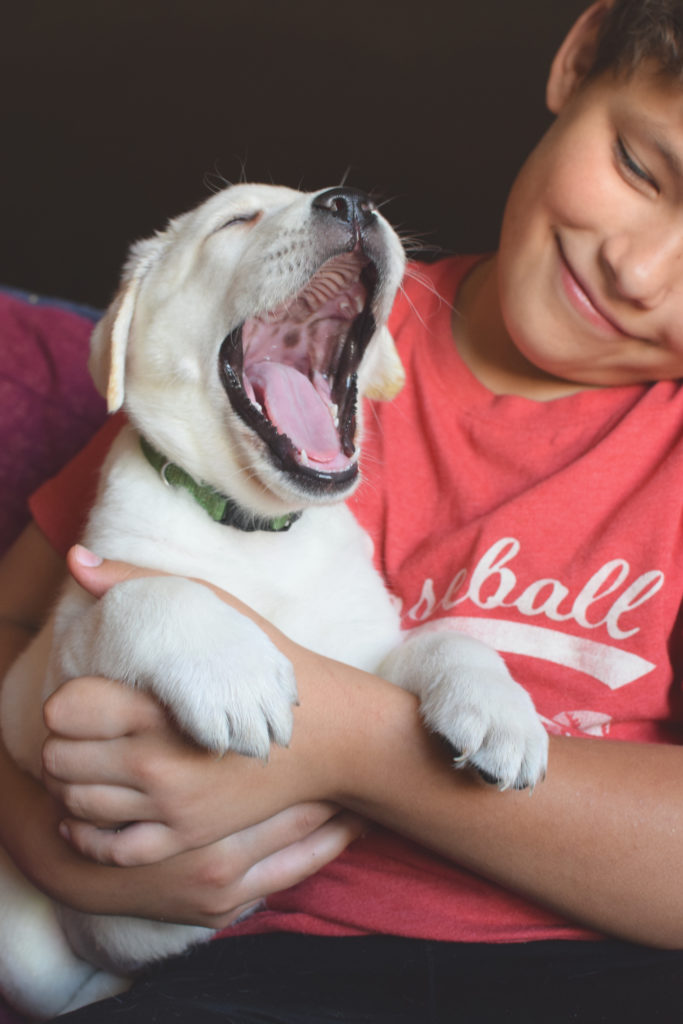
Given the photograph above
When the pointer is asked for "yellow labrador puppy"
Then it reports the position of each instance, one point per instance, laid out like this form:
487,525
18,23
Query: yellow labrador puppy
239,344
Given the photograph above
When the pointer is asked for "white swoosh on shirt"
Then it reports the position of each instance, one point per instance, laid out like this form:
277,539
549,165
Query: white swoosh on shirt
609,665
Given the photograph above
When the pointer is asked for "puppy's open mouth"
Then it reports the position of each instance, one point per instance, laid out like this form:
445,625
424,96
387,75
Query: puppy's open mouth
290,374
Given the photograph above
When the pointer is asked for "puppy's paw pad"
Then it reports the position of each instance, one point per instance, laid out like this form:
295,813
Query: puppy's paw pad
516,760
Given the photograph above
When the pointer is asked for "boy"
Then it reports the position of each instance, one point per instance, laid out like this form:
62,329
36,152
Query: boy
541,427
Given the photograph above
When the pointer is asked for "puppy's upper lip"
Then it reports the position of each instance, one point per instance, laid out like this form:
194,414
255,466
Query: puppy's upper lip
291,373
336,286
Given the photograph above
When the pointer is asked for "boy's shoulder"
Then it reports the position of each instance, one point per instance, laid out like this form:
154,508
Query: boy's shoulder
429,290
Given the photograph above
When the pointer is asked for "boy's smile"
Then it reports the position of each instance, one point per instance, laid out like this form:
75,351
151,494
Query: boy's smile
580,297
587,287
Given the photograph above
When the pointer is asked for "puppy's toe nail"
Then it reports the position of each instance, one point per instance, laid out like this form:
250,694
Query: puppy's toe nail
455,752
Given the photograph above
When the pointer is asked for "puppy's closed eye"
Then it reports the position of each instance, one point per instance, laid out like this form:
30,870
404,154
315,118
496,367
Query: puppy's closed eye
242,218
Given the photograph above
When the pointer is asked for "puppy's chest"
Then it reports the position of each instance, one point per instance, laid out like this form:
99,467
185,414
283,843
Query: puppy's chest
316,581
301,580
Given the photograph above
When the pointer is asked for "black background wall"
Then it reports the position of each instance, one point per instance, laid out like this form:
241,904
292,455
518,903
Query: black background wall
117,114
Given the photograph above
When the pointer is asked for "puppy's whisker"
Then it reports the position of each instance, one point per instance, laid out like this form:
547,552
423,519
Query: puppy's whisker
243,178
214,181
414,273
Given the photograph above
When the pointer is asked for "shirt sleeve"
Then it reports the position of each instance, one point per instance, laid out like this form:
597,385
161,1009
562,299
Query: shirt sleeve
60,507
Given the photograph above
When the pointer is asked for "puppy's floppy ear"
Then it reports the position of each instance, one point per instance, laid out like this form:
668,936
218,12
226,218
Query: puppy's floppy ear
109,340
381,374
108,347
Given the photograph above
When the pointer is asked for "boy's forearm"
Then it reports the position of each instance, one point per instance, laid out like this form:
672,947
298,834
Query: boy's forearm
13,639
600,841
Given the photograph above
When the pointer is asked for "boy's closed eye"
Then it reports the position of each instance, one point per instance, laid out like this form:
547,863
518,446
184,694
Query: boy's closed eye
631,168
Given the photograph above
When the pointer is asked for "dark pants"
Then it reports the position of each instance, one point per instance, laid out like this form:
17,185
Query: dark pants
298,979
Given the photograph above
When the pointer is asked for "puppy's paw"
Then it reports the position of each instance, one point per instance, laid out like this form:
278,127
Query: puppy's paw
225,683
468,696
505,742
239,695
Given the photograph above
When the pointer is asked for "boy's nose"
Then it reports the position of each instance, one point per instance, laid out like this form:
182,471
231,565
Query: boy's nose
641,267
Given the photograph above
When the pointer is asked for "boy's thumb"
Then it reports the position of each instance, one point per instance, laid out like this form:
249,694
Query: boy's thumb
97,575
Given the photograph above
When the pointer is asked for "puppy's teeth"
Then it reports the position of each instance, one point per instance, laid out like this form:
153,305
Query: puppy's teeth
359,304
304,458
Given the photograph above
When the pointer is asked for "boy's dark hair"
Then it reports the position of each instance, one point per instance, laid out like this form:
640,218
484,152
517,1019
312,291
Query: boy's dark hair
634,31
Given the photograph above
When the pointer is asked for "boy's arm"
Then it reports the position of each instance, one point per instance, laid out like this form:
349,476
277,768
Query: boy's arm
31,573
208,886
600,841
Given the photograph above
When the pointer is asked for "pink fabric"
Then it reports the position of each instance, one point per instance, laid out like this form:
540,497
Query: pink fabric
48,405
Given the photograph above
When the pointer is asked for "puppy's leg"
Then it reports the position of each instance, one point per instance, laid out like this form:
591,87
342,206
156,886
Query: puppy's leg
101,985
223,680
39,973
468,696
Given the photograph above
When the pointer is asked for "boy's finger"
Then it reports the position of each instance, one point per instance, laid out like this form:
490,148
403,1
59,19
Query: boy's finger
146,842
301,859
140,843
97,575
104,807
95,708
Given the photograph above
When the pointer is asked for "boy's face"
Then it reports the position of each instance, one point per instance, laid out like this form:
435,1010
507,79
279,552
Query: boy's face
590,265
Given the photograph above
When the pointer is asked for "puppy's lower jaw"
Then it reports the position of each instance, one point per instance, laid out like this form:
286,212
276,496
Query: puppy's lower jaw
290,374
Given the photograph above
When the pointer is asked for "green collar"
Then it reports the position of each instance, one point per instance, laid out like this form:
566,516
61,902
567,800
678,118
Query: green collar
221,509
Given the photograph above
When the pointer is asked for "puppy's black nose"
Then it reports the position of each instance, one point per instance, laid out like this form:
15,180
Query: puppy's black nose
346,204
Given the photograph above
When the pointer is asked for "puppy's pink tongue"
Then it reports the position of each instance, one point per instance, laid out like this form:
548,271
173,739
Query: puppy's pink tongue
296,409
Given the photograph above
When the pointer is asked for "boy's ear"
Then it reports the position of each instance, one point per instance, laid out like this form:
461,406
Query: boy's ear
575,56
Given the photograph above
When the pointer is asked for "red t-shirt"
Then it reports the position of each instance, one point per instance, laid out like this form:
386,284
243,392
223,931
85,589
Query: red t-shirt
552,530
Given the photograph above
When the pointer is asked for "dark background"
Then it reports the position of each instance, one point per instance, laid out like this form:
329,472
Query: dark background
116,115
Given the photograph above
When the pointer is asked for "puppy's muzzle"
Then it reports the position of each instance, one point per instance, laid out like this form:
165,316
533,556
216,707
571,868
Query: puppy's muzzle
291,373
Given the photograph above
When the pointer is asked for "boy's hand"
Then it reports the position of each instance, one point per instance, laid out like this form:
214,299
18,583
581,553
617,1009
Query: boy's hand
137,791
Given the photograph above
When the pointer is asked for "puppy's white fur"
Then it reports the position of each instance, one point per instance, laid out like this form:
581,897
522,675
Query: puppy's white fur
242,253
